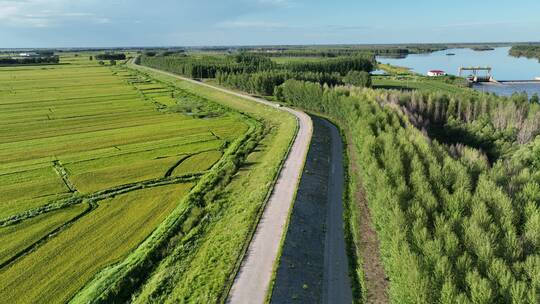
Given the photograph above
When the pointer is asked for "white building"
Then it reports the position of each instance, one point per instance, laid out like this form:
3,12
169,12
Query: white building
28,54
436,73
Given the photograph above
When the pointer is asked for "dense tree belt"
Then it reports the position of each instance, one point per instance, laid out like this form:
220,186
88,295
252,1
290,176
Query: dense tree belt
208,66
453,227
341,65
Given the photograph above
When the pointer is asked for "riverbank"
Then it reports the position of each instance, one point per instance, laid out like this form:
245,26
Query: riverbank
508,88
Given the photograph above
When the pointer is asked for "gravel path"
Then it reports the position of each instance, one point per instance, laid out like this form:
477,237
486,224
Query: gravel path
253,279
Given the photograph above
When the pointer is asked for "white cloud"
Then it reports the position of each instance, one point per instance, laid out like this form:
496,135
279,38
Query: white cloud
42,13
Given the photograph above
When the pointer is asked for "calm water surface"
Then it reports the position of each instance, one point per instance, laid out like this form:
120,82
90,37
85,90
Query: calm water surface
505,67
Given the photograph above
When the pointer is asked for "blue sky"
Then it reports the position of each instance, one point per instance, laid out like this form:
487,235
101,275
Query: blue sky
70,23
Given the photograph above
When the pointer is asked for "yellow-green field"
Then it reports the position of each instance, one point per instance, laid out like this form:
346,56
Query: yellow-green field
61,266
74,139
118,184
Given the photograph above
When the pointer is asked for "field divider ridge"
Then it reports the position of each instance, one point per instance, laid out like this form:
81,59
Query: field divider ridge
98,196
119,281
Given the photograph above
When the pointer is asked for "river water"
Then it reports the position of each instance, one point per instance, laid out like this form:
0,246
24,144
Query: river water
505,67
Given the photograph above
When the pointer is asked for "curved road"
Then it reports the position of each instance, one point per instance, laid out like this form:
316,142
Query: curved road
253,279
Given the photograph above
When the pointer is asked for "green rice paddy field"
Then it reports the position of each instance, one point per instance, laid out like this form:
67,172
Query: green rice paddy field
92,159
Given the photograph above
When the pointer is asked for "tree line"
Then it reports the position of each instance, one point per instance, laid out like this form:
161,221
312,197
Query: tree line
265,82
110,56
207,66
258,74
529,51
341,65
346,51
30,60
452,227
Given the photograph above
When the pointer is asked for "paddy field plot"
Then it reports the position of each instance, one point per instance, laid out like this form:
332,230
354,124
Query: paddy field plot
72,130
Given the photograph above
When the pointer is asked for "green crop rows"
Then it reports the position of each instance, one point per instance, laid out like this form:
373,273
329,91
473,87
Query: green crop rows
92,160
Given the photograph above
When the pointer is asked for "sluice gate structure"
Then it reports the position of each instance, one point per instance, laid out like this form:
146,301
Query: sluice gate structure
484,74
479,74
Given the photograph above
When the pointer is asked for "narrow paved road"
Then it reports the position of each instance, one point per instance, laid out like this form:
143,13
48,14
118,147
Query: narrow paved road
313,267
253,279
336,281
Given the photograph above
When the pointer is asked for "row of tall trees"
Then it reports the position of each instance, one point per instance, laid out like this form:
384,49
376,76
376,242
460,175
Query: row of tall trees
208,66
258,74
265,82
453,229
341,65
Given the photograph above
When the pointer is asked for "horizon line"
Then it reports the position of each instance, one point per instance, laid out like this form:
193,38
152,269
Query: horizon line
195,46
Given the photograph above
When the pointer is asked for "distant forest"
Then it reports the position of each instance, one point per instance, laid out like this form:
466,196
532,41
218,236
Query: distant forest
529,51
111,56
258,74
30,60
